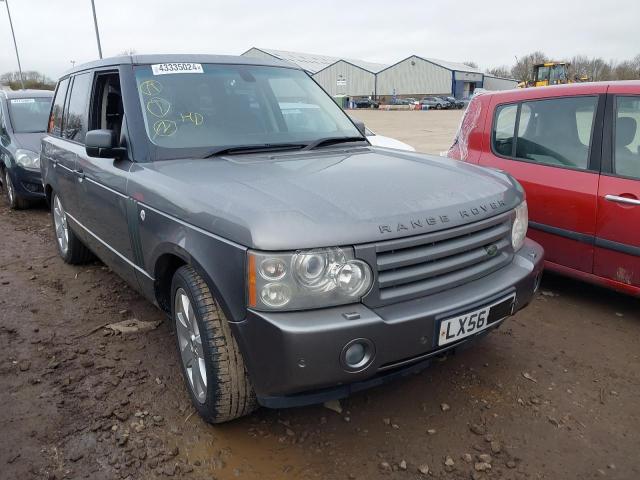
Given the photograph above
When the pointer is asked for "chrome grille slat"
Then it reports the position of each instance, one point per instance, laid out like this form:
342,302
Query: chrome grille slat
445,248
443,282
422,265
426,270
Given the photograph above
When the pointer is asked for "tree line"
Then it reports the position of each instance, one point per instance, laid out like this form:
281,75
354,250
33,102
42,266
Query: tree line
580,66
31,78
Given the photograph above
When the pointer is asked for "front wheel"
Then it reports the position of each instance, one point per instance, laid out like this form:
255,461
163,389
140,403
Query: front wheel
212,365
13,199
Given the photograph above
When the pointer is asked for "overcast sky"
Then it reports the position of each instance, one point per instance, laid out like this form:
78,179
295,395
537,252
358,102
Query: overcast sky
52,33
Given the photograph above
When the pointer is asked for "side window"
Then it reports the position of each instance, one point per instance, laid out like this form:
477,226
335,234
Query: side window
626,158
557,131
55,119
107,110
504,128
75,119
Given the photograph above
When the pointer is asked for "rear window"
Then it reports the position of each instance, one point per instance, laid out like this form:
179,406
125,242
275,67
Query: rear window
55,119
75,121
627,137
553,132
29,115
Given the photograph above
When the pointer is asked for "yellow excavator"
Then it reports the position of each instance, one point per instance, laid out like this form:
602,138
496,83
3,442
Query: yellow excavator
551,73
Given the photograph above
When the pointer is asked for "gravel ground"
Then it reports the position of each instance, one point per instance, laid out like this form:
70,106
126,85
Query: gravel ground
552,394
429,131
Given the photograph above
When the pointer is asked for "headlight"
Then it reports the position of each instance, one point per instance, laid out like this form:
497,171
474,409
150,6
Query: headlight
27,159
305,279
520,225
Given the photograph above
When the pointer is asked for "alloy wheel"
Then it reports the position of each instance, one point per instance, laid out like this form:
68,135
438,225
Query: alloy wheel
190,345
9,186
60,223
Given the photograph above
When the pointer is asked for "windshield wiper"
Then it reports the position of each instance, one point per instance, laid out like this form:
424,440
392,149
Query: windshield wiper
322,142
267,147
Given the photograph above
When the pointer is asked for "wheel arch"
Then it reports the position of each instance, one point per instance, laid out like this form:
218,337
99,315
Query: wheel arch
168,259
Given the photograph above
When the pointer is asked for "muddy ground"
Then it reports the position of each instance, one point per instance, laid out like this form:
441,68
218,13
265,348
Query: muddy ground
553,394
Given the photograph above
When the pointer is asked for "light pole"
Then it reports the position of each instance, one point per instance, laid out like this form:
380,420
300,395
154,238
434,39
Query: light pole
95,22
15,45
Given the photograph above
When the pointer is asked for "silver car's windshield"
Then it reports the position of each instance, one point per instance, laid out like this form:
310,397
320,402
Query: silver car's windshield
29,115
214,105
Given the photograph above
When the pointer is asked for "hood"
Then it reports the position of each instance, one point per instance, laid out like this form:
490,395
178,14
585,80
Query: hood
29,141
324,198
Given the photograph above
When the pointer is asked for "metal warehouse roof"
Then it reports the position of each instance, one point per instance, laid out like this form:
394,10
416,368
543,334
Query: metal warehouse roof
314,63
459,67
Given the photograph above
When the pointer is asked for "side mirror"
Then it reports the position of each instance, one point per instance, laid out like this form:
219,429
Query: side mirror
103,144
360,126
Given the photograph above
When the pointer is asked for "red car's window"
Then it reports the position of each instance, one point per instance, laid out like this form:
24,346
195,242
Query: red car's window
553,132
627,137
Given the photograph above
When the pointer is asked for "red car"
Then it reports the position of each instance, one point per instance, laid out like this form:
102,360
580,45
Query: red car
576,151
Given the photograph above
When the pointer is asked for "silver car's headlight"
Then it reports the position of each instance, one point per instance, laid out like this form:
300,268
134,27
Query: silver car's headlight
27,159
305,279
520,225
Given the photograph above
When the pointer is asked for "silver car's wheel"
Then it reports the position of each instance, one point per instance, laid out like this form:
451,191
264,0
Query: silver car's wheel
60,223
11,193
190,345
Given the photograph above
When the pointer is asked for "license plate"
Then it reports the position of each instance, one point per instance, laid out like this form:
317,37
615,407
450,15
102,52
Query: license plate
456,328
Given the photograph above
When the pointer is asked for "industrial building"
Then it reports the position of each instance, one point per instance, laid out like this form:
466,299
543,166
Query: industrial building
414,76
491,82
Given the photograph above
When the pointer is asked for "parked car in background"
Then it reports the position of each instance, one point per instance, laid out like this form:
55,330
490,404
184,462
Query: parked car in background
366,103
23,123
296,263
576,151
435,102
401,101
412,101
455,103
387,142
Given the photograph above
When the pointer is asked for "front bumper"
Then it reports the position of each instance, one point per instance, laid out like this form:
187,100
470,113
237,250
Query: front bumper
294,358
27,183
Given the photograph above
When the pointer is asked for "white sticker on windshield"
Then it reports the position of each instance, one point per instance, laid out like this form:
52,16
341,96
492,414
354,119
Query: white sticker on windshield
166,68
23,100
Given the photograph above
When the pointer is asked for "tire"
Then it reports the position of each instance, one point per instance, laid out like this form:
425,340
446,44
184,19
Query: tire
69,246
438,106
15,201
224,393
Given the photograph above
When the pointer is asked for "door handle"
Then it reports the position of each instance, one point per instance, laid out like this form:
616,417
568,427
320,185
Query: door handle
626,200
80,173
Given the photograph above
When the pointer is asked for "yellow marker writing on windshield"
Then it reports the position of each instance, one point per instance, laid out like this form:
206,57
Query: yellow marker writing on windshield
150,87
164,128
158,107
193,117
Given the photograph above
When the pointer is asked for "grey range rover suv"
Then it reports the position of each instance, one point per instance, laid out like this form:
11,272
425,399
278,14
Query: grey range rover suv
296,262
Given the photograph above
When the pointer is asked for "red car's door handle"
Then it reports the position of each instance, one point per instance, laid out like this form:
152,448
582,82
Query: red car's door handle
626,200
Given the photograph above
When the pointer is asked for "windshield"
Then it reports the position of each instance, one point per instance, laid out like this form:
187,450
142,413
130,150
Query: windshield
29,115
217,106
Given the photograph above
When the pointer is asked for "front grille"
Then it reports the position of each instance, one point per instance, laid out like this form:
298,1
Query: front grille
426,264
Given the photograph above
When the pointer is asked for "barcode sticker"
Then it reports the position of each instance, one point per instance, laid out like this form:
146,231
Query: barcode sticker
166,68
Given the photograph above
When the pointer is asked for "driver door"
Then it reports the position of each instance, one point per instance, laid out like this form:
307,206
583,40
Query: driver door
552,147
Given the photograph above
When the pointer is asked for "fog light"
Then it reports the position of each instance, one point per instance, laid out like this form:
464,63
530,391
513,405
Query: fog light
354,354
357,354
